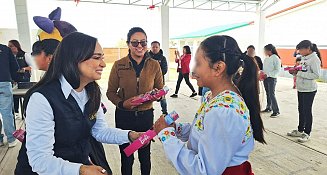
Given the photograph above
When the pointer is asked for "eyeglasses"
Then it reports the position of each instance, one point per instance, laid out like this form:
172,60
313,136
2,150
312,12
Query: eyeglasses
136,43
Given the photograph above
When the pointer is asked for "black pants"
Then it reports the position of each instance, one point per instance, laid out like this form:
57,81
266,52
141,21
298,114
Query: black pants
16,99
187,80
270,86
305,101
141,122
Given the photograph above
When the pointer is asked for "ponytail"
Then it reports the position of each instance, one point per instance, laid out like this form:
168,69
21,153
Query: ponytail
249,87
314,48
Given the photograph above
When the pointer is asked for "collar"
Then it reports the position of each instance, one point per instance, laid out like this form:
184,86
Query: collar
309,56
146,57
66,88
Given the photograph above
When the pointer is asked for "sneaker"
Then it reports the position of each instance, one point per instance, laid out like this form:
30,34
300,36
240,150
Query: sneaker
275,115
2,144
295,133
304,138
174,96
267,110
12,144
194,94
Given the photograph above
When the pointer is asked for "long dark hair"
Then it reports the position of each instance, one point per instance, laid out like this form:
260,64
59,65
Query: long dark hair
272,48
188,49
73,49
306,44
225,48
18,46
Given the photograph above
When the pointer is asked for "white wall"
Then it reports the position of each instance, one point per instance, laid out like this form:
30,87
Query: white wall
304,23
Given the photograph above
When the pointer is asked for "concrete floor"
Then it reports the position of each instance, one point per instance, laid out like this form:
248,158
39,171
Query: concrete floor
281,156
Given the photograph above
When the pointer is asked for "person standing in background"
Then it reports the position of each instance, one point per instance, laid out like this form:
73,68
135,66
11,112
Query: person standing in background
250,51
307,88
184,70
129,78
8,73
157,54
24,63
271,68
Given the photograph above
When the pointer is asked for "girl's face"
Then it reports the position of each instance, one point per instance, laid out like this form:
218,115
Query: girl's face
42,61
91,69
14,49
267,52
204,74
138,45
184,51
305,52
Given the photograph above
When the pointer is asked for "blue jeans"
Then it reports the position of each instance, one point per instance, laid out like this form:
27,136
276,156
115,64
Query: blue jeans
163,104
6,110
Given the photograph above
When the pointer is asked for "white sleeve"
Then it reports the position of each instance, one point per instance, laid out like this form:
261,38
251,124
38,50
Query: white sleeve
29,60
40,139
102,133
219,141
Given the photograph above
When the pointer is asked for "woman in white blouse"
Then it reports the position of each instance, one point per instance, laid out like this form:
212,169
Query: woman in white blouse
63,111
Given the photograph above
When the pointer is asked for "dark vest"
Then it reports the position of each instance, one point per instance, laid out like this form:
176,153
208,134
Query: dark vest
72,129
22,76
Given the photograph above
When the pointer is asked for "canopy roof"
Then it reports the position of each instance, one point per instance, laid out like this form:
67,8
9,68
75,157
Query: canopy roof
218,5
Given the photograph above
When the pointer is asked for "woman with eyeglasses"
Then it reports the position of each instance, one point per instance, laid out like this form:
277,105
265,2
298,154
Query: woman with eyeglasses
130,77
63,112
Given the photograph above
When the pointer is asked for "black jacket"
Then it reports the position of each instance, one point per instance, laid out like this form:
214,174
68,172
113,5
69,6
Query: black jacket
259,62
8,65
161,59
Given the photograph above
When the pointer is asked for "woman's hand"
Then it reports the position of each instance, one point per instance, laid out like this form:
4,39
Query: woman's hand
92,169
153,98
129,104
160,124
134,135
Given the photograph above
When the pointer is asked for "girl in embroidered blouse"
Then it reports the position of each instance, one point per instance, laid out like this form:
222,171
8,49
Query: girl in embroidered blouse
222,134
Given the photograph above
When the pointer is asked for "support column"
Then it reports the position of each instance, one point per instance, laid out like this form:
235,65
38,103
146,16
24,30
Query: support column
23,28
261,21
165,34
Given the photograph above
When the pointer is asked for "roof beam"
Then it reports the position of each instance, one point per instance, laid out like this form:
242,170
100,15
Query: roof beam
182,3
134,2
202,4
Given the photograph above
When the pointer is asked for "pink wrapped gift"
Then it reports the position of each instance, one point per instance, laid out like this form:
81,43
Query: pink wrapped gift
19,135
149,95
148,136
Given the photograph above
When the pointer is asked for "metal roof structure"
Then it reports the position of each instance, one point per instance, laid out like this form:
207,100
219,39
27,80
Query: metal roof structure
215,5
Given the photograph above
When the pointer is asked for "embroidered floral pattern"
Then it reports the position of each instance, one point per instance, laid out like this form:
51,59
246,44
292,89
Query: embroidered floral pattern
226,99
166,135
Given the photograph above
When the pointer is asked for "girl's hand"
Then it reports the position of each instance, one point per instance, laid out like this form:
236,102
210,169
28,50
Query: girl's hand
293,72
160,124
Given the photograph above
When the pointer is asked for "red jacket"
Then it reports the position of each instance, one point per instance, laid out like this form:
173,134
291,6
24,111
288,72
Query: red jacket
185,64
